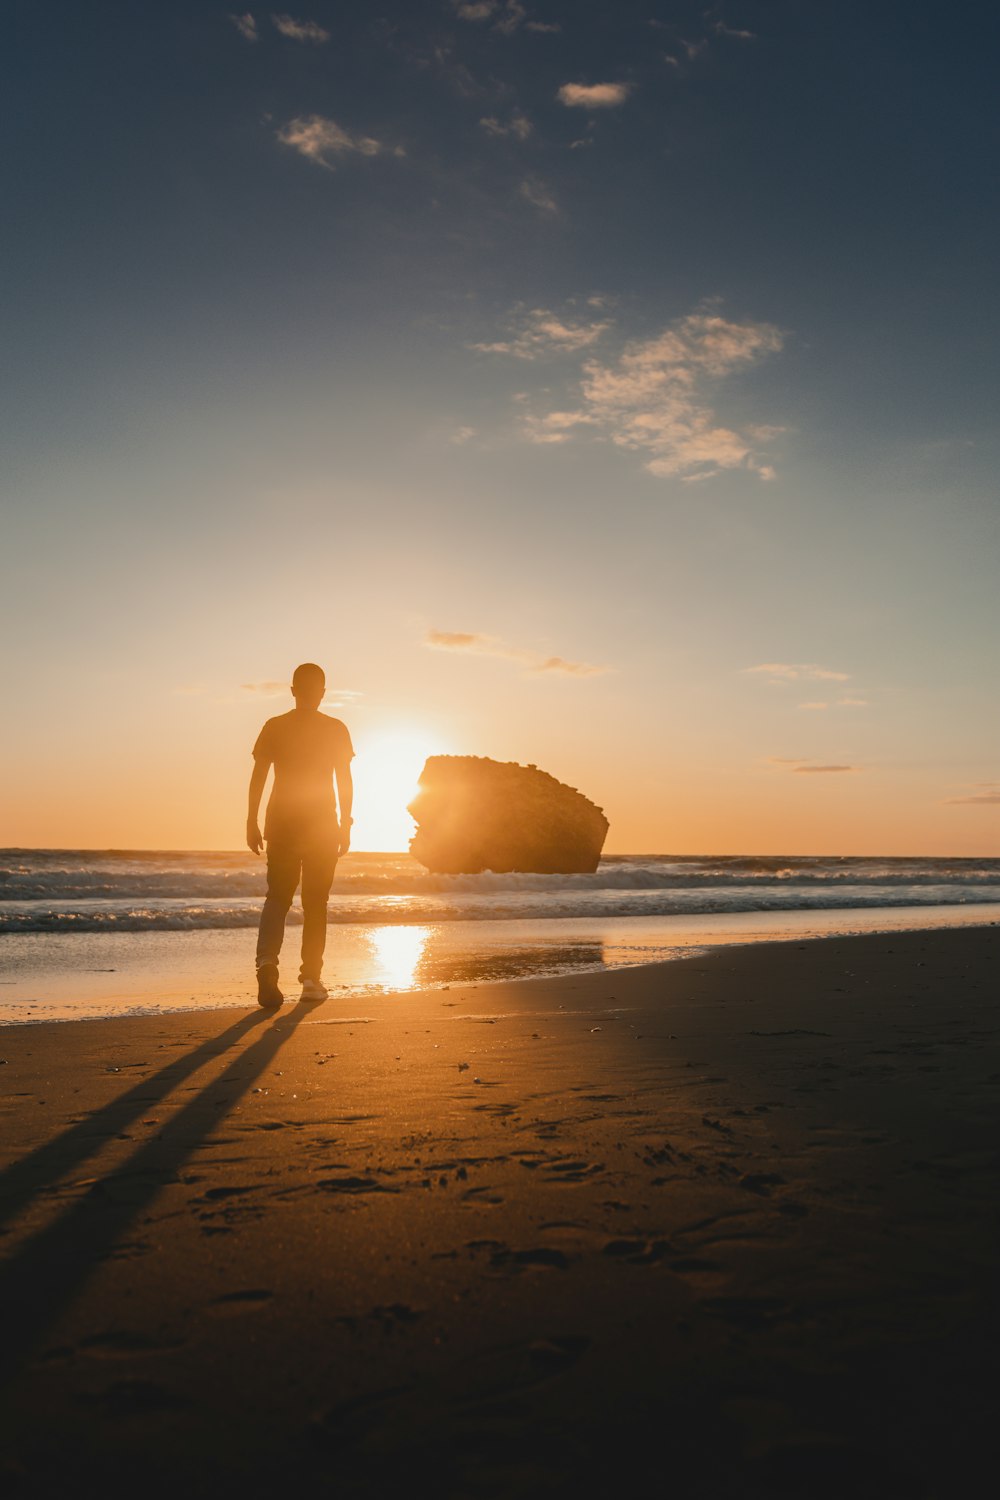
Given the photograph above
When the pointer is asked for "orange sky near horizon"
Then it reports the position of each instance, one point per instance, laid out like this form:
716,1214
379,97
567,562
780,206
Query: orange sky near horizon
172,773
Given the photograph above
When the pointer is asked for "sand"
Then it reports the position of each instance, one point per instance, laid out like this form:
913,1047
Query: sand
724,1226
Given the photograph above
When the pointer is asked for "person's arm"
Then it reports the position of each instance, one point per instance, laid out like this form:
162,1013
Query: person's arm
345,800
257,779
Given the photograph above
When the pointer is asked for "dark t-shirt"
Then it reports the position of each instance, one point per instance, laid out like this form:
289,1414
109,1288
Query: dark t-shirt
305,750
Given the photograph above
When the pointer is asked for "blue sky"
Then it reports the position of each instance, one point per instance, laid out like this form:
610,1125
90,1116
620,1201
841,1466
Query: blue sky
543,369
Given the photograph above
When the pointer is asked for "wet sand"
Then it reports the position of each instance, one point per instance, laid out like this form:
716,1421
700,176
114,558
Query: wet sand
724,1226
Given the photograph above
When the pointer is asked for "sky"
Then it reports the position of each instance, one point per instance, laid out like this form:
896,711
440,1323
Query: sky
606,387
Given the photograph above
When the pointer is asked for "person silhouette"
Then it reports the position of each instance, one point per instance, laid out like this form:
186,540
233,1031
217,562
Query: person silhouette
304,833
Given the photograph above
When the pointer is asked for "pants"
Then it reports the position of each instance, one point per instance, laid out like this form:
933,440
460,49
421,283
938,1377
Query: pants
286,865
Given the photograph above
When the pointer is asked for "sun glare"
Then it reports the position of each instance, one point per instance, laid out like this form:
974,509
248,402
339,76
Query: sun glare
397,952
386,771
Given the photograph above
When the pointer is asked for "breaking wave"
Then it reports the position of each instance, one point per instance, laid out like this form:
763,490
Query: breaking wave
90,891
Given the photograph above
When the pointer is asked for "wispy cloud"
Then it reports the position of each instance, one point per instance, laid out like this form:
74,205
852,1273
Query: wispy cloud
984,794
333,697
323,141
778,673
821,770
506,15
518,126
535,192
300,31
655,398
693,48
569,668
736,33
474,643
836,703
462,435
593,95
809,768
511,17
245,25
537,332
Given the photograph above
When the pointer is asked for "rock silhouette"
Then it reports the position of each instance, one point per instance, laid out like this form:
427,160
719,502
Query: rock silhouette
476,814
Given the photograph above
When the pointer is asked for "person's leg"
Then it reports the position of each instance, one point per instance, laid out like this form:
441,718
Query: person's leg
318,867
283,866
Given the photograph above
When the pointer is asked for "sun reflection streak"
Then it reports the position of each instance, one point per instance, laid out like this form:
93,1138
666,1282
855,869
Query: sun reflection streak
397,952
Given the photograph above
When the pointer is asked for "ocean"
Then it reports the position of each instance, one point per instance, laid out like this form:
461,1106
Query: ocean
87,933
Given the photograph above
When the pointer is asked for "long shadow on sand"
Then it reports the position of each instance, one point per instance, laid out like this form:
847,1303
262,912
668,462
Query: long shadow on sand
30,1175
49,1269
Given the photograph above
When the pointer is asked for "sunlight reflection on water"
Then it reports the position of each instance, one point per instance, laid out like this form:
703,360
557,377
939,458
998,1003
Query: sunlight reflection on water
397,952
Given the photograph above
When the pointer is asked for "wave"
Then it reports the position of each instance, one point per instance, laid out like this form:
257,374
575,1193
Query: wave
39,917
63,890
195,885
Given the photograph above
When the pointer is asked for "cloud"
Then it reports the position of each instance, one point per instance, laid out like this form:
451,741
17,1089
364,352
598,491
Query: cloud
837,703
652,399
808,768
506,15
300,31
518,126
593,95
721,29
510,18
474,643
543,28
821,770
533,189
987,795
463,434
322,140
555,427
538,332
246,26
461,640
283,690
570,668
778,673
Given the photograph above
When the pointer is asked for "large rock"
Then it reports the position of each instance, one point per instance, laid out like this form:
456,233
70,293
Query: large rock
476,814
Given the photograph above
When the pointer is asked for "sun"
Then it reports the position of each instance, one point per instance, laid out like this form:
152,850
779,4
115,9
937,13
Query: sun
386,770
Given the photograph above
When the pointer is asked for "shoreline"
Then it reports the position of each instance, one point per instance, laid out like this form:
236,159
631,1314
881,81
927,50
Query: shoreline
729,1218
67,977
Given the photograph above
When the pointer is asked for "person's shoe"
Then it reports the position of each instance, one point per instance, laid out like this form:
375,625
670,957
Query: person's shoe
314,989
268,993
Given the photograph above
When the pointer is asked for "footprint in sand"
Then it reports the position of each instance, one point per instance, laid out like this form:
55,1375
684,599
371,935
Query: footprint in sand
231,1304
539,1258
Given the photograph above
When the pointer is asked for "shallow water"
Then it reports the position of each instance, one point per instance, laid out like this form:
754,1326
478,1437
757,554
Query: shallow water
88,975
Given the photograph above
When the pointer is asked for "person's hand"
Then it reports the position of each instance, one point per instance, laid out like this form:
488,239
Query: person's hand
345,840
254,841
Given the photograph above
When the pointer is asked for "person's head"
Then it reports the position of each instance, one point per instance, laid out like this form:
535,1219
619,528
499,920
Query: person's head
308,685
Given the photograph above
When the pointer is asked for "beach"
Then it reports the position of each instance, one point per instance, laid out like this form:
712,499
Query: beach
723,1225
